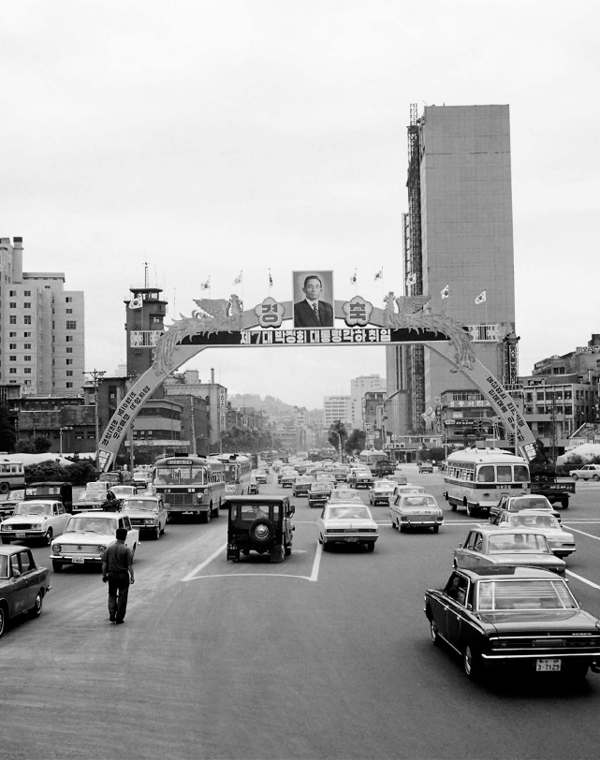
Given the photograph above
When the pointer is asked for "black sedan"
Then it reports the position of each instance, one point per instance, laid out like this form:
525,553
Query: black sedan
23,585
521,617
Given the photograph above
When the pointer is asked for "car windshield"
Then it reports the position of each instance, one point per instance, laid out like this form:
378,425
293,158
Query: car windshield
97,485
180,476
534,521
419,501
123,490
517,542
92,496
251,512
524,594
16,495
530,502
348,513
343,495
383,484
84,524
139,505
406,490
3,566
33,508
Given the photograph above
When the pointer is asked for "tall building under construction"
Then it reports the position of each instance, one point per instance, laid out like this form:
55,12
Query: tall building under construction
458,249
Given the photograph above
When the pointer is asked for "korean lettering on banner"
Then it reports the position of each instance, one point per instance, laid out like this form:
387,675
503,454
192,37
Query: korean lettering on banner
505,403
321,336
124,414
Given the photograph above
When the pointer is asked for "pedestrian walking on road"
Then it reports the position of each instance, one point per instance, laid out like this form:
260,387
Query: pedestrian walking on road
117,571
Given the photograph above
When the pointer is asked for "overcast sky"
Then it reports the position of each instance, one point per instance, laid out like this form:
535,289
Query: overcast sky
210,137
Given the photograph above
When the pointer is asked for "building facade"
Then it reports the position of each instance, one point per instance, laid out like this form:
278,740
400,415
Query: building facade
337,408
358,387
42,328
458,245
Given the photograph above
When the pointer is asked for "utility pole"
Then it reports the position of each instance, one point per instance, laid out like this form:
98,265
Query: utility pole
96,376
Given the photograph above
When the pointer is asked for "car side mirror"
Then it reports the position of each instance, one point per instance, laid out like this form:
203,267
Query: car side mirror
460,546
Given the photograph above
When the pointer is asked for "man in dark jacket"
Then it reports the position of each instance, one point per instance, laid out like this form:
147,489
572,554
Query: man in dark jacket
312,311
117,571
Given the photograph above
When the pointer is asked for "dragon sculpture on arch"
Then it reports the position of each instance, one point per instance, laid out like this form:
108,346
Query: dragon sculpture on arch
213,315
411,315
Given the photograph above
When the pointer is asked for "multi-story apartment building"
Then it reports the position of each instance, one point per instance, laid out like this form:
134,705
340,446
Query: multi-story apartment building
358,387
458,246
42,328
188,384
337,408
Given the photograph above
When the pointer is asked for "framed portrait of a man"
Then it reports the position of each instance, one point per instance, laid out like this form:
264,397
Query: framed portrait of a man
313,299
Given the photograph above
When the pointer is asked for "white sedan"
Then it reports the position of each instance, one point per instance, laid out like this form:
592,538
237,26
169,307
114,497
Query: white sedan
419,510
147,514
86,537
39,520
587,472
347,523
561,542
381,492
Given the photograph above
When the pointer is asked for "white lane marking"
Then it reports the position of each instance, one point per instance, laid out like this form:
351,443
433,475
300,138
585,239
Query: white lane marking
582,579
189,576
582,532
316,563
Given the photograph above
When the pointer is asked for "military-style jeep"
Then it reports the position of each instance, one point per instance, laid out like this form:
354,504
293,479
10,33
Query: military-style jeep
259,523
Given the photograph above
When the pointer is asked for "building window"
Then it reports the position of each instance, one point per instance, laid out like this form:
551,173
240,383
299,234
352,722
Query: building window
69,350
71,324
69,339
12,358
27,305
68,299
69,385
69,361
13,346
12,334
27,346
13,293
12,371
27,370
12,320
27,293
27,358
69,311
69,373
25,335
27,320
12,305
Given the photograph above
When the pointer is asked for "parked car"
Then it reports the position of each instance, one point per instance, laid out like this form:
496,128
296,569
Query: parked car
23,585
7,507
381,492
561,542
520,617
261,524
301,485
347,523
587,472
425,467
35,521
416,510
487,545
319,492
86,537
147,513
520,503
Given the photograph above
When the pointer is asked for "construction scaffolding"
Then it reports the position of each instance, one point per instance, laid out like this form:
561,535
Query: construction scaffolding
414,355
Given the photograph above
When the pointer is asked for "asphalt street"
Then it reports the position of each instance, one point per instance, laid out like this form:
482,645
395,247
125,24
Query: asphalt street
321,656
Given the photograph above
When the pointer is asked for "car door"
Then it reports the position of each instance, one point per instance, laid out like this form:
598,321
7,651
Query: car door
30,572
17,593
470,555
456,609
59,518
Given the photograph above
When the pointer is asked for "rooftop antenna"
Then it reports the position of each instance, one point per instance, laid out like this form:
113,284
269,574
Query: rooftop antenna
146,274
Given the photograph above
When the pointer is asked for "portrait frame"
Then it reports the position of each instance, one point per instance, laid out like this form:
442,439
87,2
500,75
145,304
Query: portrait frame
326,298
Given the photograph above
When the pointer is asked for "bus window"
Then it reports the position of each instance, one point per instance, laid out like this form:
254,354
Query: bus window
486,474
521,474
504,473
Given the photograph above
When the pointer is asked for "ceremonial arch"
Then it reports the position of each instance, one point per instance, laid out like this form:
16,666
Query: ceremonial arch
222,323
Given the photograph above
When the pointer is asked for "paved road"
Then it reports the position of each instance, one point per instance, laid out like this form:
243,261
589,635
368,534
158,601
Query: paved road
322,656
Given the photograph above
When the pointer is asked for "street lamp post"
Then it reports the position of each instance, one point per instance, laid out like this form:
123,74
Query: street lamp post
96,376
61,430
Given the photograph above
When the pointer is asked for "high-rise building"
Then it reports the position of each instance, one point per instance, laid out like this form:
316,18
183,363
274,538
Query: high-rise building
358,387
458,246
337,408
42,331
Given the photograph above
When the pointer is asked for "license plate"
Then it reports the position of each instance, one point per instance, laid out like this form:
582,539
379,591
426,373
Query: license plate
548,665
20,535
352,538
78,560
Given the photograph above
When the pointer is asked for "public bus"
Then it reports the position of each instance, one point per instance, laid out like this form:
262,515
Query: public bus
237,471
190,485
12,475
370,457
477,479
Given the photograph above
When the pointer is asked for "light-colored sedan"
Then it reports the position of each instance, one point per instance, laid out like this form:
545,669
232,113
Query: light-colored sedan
347,523
86,537
561,542
124,492
488,546
35,521
147,514
344,494
587,472
381,492
416,510
407,489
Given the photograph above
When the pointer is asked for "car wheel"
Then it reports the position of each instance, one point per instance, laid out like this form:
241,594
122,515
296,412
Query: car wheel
6,540
469,510
325,547
36,610
277,553
575,477
577,672
157,533
401,527
4,487
453,506
371,546
433,632
2,619
288,550
56,566
596,477
261,530
564,503
436,528
471,662
48,537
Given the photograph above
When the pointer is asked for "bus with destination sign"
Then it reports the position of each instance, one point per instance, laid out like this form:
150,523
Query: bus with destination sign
190,485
